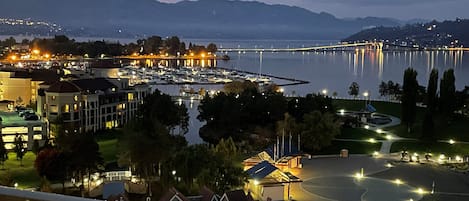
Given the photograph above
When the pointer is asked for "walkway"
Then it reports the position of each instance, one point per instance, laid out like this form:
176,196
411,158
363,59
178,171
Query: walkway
390,137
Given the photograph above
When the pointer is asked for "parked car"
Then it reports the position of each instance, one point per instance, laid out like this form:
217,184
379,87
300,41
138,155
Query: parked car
25,112
31,117
19,109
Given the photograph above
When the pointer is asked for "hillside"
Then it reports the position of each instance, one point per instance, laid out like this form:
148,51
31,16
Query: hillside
431,34
201,19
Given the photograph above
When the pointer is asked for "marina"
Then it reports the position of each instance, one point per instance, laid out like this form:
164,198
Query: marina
199,76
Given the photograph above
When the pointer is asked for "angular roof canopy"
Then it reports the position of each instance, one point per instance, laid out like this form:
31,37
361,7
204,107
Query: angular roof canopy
261,170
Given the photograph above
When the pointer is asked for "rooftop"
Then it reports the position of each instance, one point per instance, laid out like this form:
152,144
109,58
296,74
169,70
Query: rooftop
79,85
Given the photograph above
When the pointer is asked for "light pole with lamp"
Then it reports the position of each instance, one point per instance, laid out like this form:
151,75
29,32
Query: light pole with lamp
324,92
366,95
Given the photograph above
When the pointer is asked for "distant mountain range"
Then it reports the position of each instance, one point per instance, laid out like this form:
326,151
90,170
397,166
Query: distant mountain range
432,34
196,19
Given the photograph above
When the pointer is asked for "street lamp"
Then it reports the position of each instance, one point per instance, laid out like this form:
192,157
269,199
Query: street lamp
324,92
366,95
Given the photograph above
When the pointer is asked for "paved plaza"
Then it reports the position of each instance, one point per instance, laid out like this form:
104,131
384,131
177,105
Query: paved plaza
332,178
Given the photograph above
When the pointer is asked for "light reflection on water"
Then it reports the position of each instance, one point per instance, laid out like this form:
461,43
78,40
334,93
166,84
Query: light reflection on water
336,70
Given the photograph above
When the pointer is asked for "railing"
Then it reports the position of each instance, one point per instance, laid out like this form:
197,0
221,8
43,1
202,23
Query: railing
39,196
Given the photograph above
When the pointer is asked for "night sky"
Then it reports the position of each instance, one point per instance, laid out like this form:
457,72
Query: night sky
400,9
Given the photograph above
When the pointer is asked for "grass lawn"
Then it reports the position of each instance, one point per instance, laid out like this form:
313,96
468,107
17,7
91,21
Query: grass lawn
393,109
359,134
434,147
108,149
25,175
353,147
458,129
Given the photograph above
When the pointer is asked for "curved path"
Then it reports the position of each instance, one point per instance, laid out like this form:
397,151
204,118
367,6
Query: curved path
390,137
331,179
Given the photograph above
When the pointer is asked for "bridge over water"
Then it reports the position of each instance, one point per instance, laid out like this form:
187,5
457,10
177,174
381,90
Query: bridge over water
342,46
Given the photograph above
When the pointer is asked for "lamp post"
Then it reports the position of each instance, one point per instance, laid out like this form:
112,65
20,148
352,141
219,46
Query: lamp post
366,95
324,92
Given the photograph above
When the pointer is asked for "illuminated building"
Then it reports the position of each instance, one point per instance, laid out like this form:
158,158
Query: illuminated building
21,86
90,104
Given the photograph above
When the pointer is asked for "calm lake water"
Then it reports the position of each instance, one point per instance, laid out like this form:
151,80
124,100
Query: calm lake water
335,71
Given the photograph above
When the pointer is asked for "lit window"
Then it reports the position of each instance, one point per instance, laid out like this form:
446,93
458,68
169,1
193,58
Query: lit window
52,98
66,108
109,124
130,96
53,109
75,107
113,89
75,98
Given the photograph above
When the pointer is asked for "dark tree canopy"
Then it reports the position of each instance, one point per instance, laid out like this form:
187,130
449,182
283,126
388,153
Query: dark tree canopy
160,108
318,130
62,45
428,125
235,113
409,97
51,163
354,89
448,94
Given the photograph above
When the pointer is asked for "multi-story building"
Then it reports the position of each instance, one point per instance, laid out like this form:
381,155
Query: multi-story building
90,104
21,86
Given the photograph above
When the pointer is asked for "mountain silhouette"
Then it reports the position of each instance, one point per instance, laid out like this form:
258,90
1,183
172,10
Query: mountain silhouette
201,19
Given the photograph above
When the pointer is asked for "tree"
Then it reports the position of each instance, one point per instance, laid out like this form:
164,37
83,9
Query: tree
432,88
409,107
145,147
383,89
161,108
431,99
152,45
394,89
212,48
9,42
227,148
36,147
3,152
19,101
298,107
84,156
51,164
318,130
354,89
447,94
240,115
19,148
287,126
